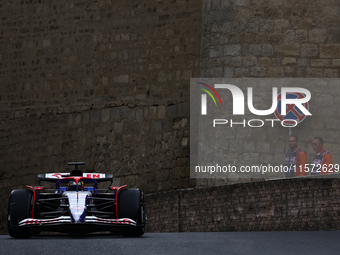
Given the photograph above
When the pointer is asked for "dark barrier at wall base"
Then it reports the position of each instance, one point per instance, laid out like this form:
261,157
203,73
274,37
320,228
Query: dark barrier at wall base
275,205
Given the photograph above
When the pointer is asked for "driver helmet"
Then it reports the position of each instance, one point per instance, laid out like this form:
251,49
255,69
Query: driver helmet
72,185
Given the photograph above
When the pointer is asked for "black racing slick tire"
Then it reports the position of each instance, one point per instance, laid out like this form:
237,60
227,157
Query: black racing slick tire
131,205
19,208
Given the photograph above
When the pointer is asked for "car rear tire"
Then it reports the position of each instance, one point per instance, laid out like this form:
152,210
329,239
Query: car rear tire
19,208
132,206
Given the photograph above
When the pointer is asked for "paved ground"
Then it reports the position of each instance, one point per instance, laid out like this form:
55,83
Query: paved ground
254,243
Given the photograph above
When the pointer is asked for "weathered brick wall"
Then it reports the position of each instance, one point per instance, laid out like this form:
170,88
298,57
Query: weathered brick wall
271,38
287,204
281,39
105,82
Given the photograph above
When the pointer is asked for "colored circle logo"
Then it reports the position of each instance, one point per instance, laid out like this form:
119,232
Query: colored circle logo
293,114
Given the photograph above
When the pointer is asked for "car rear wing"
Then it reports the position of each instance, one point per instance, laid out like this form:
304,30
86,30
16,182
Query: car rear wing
53,177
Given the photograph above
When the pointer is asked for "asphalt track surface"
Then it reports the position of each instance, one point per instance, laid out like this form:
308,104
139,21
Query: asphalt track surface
254,243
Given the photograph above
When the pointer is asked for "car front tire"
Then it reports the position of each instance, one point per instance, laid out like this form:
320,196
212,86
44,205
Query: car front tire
132,206
19,208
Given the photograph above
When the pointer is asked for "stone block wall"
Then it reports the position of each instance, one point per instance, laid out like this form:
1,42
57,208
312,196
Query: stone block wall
275,39
277,205
105,82
271,38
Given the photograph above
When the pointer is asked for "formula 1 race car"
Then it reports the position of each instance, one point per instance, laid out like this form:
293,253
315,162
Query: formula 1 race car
76,205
